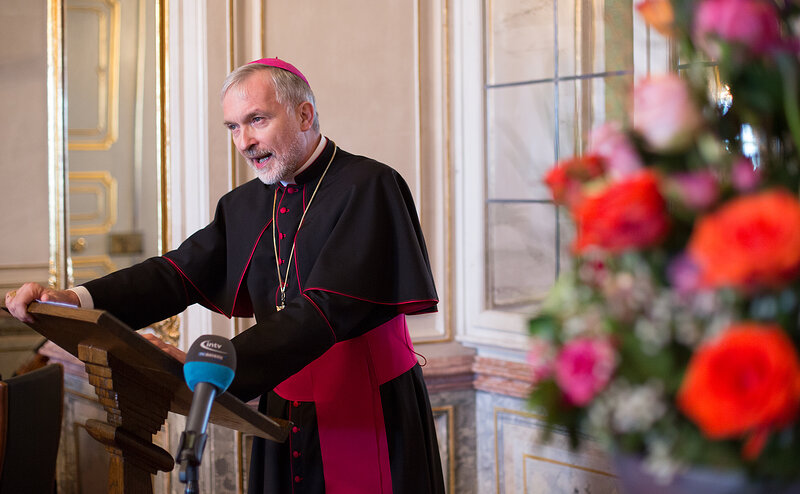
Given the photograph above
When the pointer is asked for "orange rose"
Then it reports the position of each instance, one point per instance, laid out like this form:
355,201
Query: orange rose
752,240
658,14
627,214
744,383
566,179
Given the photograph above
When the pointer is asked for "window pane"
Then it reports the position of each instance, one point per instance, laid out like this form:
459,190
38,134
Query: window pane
594,37
521,254
583,105
521,136
520,39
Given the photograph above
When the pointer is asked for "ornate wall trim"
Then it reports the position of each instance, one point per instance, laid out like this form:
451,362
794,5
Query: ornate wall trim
464,370
502,377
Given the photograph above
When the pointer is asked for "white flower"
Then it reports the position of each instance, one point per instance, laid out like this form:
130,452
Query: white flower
652,336
659,463
636,408
687,331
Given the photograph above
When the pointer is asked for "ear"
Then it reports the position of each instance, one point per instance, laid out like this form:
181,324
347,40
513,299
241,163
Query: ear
305,115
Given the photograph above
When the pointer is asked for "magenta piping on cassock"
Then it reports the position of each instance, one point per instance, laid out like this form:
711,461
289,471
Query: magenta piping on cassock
335,339
247,264
422,303
210,303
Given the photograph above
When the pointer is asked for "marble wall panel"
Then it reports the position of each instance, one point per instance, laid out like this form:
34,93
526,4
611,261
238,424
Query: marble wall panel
512,459
454,415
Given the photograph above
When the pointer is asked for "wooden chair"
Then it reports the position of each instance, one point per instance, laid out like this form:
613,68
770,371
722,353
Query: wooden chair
31,406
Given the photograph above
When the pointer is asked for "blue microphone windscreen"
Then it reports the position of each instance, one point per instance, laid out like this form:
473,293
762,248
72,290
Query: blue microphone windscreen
199,371
210,359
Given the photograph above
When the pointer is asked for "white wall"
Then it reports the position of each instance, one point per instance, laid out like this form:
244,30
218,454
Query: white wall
24,250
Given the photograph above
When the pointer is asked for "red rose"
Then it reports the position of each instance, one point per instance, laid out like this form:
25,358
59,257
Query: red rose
627,214
744,383
566,179
751,240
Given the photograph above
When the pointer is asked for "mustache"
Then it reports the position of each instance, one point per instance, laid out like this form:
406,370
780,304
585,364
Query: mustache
256,153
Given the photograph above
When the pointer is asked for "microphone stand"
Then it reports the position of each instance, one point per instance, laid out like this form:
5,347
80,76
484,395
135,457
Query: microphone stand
191,450
193,439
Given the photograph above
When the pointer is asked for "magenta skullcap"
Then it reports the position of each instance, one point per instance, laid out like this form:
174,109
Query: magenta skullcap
277,62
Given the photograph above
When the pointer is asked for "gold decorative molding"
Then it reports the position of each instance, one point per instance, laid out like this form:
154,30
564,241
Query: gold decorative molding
105,132
60,268
526,456
448,219
449,213
169,330
231,66
450,413
104,187
162,112
91,267
242,459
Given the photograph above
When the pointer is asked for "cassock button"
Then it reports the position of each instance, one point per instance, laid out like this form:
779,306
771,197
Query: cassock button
292,190
295,429
281,235
297,479
284,210
296,454
295,404
280,261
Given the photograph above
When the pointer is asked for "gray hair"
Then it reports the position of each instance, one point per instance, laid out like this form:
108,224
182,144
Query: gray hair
290,90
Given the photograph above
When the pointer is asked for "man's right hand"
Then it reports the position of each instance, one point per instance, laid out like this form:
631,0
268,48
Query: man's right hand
18,300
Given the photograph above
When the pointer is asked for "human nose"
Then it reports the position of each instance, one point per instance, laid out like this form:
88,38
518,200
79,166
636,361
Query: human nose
246,138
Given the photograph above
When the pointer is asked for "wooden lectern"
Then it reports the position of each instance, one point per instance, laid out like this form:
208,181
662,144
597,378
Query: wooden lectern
138,384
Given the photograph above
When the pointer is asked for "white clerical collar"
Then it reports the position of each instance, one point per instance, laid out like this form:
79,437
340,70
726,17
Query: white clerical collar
322,142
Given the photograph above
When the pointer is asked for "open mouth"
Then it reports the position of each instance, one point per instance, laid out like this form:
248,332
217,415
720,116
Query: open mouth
261,162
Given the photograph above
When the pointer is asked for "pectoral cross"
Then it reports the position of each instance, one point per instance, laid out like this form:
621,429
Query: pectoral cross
283,297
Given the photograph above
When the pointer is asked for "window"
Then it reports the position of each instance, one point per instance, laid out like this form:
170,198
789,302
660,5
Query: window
533,79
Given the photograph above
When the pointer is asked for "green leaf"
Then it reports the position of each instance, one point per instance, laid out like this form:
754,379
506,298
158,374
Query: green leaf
544,326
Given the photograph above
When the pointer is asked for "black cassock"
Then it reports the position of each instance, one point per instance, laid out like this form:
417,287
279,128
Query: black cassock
359,260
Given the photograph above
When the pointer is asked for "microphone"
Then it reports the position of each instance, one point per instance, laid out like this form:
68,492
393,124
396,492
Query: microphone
209,368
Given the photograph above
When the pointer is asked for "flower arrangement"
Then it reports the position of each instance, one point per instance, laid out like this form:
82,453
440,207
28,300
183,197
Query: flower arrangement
674,334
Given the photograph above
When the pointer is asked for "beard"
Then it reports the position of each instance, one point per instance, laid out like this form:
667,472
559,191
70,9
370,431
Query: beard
280,167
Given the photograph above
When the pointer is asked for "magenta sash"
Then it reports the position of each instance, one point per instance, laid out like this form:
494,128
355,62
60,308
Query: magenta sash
343,384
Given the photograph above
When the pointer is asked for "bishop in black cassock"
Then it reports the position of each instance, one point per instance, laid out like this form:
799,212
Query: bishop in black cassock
359,262
329,260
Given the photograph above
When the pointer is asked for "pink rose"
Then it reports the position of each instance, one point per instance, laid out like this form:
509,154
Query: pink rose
664,113
751,23
745,176
618,153
697,190
583,368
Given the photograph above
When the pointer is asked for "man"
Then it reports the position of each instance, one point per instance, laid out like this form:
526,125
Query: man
325,249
